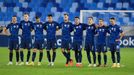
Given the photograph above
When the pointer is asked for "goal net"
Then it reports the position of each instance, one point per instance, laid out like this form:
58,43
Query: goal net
124,18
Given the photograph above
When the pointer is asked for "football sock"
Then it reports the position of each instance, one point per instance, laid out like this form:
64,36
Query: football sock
54,56
10,56
28,55
33,56
76,56
99,59
105,59
94,57
21,56
48,56
40,56
88,56
17,56
113,56
118,57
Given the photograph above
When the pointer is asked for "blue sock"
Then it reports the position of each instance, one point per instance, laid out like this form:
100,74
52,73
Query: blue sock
118,57
105,59
76,56
88,57
94,57
80,56
113,56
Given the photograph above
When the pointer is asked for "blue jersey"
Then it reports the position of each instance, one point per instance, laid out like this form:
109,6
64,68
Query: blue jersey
67,28
26,29
78,31
14,30
38,27
114,31
90,32
101,32
51,28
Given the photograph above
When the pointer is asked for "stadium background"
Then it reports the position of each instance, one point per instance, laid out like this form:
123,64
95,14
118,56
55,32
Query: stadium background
8,8
73,7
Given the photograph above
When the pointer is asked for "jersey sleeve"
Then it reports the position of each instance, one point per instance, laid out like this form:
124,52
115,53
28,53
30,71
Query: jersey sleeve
44,26
57,25
60,25
71,27
120,30
32,25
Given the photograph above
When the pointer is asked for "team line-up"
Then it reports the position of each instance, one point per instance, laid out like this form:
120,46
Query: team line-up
99,30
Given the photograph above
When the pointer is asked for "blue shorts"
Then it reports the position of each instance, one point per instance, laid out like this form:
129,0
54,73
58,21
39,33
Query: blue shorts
101,48
89,47
77,45
114,47
13,44
51,44
26,44
66,44
39,44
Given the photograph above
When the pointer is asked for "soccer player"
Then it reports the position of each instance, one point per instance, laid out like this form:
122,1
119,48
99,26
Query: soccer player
77,41
13,39
26,27
51,28
67,28
89,41
39,40
116,34
101,33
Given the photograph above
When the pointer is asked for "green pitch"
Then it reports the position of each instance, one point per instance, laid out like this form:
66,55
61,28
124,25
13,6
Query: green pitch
127,65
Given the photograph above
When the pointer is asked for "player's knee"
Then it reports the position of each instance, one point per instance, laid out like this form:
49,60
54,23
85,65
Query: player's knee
62,50
34,50
54,50
41,51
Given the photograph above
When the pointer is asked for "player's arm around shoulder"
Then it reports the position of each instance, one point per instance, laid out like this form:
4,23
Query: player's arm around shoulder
5,29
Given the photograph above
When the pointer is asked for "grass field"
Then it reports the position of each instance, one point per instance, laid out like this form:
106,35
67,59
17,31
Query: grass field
127,56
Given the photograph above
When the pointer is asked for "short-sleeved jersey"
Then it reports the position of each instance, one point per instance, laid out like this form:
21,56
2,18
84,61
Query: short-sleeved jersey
26,29
14,30
90,32
38,28
101,32
78,31
114,31
67,28
51,28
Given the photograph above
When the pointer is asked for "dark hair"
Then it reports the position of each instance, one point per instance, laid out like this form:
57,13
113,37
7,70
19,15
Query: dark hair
49,15
14,16
112,18
37,17
101,19
26,14
76,17
90,17
66,14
